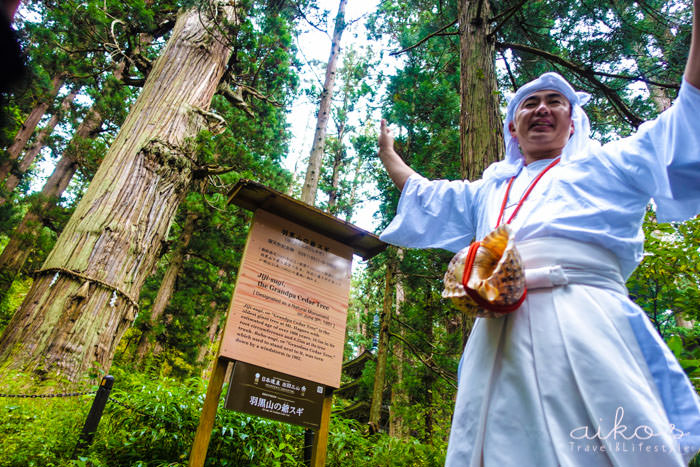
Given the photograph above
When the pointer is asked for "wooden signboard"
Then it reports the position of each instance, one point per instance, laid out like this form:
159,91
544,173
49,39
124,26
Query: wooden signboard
289,307
286,324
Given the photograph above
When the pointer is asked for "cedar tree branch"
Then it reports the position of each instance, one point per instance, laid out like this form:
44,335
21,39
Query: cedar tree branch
203,171
506,15
447,376
507,12
433,34
131,81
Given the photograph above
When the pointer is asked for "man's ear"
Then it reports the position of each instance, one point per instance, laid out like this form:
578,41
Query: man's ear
571,133
511,128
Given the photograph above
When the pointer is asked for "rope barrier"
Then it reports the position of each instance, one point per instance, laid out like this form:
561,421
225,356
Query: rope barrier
58,270
41,396
141,412
86,393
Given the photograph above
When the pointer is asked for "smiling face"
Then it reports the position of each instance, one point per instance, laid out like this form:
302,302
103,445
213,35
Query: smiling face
542,124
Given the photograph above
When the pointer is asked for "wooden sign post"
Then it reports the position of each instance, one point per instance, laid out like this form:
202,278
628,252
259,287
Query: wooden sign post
285,328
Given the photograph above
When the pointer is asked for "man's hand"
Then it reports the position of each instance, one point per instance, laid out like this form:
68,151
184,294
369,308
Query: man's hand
386,137
396,168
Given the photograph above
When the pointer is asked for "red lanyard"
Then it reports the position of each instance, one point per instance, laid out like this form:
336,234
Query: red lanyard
525,195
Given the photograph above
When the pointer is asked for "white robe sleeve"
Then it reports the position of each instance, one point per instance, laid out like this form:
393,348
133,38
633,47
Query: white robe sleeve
434,214
662,160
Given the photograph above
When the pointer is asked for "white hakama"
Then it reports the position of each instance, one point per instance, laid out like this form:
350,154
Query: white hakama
564,380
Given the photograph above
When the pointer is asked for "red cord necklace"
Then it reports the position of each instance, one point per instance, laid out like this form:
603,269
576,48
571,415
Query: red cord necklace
525,195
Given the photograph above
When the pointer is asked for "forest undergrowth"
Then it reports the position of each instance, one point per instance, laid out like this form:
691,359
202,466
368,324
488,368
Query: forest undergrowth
155,424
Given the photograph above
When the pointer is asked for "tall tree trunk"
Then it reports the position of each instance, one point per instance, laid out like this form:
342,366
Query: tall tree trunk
659,96
85,296
338,158
428,377
308,193
352,201
25,235
467,323
361,329
663,37
212,348
481,135
167,285
398,392
375,411
29,125
212,333
30,155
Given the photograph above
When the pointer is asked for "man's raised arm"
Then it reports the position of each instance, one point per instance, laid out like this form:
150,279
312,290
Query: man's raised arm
692,68
395,166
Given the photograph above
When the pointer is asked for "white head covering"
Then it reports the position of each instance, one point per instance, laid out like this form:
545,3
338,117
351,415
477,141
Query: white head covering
579,144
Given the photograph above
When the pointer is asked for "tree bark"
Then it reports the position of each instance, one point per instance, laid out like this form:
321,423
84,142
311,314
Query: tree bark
167,285
663,37
85,297
361,329
215,329
467,323
25,235
28,127
684,323
308,193
338,158
428,377
353,191
212,333
15,176
398,392
481,135
375,411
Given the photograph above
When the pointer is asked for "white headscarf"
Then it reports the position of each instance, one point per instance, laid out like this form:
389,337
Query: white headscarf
579,143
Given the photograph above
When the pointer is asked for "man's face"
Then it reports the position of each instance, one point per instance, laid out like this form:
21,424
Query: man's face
542,123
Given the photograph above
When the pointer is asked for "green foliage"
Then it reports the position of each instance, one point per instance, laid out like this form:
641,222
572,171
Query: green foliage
13,299
342,173
38,432
158,428
666,283
422,330
687,350
348,446
81,42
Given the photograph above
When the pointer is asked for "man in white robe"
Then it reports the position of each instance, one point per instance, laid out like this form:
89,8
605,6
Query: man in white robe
577,375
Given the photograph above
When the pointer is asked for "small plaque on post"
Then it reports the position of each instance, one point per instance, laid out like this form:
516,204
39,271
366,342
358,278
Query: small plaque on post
266,393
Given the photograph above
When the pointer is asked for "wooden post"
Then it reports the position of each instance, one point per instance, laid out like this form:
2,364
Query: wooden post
95,414
206,419
308,446
320,446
